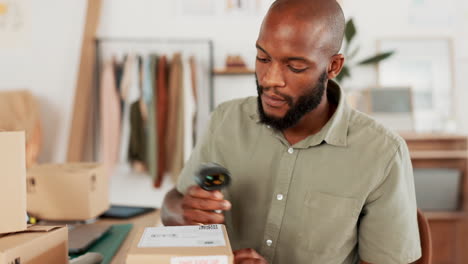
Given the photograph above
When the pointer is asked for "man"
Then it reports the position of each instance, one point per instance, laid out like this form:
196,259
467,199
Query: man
313,181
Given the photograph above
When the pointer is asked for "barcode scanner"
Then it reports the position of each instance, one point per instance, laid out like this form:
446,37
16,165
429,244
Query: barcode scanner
212,176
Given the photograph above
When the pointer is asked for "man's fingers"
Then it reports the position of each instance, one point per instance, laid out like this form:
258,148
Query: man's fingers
248,256
205,204
199,205
198,192
250,261
204,217
246,253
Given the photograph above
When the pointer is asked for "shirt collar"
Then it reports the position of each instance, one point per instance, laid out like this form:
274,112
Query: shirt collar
335,130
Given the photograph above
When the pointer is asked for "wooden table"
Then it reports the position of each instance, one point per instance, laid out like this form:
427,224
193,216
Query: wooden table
146,220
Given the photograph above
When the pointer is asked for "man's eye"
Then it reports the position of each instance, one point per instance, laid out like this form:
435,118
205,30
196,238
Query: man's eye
263,60
296,70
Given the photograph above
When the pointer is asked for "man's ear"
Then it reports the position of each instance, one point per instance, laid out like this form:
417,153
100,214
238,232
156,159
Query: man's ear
335,66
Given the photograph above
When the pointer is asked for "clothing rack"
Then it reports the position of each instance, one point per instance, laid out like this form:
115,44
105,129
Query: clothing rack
208,42
132,44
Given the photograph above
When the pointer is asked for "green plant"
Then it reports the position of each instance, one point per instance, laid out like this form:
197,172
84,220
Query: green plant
350,33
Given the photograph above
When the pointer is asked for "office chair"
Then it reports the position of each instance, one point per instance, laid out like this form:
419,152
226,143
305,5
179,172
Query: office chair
19,110
426,241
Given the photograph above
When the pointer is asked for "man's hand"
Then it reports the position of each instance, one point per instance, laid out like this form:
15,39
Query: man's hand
248,256
198,206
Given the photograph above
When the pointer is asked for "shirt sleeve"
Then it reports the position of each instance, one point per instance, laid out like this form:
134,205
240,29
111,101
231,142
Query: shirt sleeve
202,153
388,230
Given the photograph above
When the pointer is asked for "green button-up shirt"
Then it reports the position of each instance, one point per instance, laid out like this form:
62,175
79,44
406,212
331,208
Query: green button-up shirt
343,194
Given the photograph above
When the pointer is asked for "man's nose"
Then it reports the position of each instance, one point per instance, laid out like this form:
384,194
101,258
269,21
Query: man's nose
273,76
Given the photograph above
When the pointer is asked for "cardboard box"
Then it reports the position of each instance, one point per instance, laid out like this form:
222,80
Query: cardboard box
36,245
181,245
70,192
13,182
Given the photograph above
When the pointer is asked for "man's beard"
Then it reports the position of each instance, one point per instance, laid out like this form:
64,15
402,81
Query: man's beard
304,104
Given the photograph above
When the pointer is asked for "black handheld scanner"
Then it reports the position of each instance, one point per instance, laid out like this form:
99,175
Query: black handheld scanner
212,176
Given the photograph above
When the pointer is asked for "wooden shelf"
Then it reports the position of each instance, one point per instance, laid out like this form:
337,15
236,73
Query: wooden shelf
445,215
439,154
233,71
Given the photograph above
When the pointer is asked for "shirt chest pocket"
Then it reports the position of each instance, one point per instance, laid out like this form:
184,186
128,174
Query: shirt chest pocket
329,222
330,206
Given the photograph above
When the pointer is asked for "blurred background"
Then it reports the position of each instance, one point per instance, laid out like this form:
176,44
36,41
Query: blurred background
132,83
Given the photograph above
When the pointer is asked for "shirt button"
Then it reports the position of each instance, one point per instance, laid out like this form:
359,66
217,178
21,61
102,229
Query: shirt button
279,197
290,150
269,242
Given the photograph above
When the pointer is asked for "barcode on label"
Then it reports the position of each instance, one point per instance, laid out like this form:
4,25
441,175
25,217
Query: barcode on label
183,236
208,227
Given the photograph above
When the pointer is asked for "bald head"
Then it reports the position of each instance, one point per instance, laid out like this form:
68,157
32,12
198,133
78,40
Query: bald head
321,21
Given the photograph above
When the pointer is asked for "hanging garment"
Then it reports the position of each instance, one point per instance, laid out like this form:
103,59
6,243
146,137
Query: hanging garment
129,94
137,146
189,108
127,76
161,118
141,85
203,82
118,72
150,101
118,75
194,79
110,118
138,116
175,127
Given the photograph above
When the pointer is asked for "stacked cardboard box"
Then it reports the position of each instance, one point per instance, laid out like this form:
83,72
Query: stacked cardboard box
18,242
13,182
36,245
71,192
181,245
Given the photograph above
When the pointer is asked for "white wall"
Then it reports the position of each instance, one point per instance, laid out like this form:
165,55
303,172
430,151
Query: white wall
48,67
391,19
